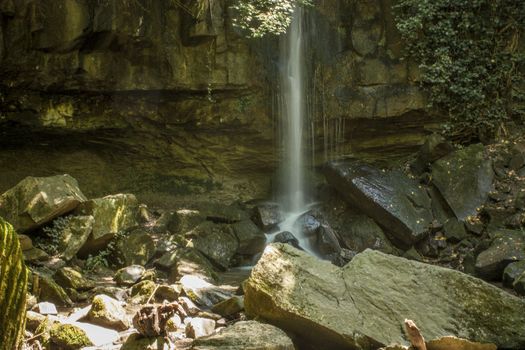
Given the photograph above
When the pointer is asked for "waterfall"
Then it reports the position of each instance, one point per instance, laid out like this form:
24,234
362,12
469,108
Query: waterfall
293,110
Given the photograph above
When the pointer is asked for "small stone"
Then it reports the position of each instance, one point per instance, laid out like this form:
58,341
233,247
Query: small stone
25,242
35,255
200,327
454,230
189,306
288,238
202,292
142,292
52,292
230,306
519,284
33,320
174,323
508,246
107,312
169,293
46,308
130,275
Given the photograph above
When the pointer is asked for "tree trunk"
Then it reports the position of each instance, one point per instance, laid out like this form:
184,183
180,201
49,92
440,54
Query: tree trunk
13,288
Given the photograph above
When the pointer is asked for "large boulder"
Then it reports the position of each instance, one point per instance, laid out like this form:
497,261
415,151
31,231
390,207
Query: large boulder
243,335
359,232
508,246
251,239
74,235
136,249
393,200
464,178
113,214
216,241
36,201
13,288
364,304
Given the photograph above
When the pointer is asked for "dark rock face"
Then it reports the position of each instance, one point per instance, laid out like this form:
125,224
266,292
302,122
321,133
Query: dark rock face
507,247
464,178
216,241
390,198
342,308
362,232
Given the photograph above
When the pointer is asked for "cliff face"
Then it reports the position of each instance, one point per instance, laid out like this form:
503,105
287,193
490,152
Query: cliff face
165,96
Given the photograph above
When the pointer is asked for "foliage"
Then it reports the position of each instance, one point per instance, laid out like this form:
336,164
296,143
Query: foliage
53,235
102,258
470,60
262,17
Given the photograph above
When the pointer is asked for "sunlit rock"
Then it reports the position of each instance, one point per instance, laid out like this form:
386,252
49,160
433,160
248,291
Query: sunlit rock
36,201
331,307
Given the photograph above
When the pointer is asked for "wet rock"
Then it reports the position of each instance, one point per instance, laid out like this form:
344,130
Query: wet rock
393,200
359,232
251,239
507,247
202,292
36,201
216,241
435,147
129,275
112,214
243,335
267,215
137,249
335,307
327,242
288,238
229,307
464,178
67,277
50,291
512,272
454,230
200,327
75,235
519,284
68,337
107,312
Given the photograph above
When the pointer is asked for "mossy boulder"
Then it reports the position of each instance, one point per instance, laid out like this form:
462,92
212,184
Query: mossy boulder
68,337
36,201
68,277
331,307
508,246
464,178
129,275
216,241
13,288
142,291
49,290
112,214
74,235
137,249
108,312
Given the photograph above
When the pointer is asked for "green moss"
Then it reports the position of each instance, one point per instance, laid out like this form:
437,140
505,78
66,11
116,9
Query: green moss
98,309
68,336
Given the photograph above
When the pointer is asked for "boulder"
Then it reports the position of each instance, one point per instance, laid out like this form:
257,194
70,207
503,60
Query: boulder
98,336
202,292
227,214
68,337
464,179
229,306
128,276
216,241
13,288
49,290
136,249
184,220
186,261
200,327
25,242
143,292
243,335
67,277
288,238
74,235
36,201
454,230
519,284
331,307
107,312
508,246
34,255
267,215
435,147
112,214
512,272
251,239
393,200
359,232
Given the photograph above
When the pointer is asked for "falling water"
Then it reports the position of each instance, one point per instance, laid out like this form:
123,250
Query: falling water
293,110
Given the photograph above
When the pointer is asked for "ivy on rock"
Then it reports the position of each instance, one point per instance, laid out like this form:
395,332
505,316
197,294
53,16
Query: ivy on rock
471,60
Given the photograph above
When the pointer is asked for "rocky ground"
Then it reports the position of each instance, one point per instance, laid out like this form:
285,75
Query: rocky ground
440,242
